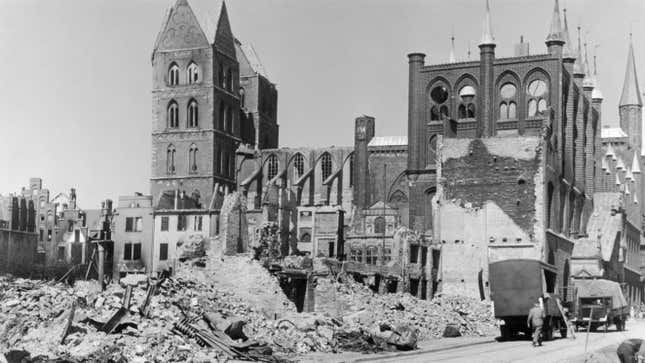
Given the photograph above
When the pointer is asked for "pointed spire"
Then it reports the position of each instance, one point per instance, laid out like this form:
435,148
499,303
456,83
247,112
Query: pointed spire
567,52
635,198
627,189
587,82
224,40
604,164
636,168
578,66
487,31
617,179
629,176
555,35
451,57
596,95
180,29
631,93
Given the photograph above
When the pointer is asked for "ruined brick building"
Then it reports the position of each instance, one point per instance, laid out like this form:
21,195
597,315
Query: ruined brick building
503,158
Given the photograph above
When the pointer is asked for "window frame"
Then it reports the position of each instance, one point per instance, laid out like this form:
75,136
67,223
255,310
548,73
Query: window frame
173,74
192,73
165,224
326,166
273,166
172,115
192,114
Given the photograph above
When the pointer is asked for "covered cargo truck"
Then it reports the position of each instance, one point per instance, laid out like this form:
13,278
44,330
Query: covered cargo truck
599,303
515,286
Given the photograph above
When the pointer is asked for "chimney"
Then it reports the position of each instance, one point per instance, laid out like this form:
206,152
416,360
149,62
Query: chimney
521,49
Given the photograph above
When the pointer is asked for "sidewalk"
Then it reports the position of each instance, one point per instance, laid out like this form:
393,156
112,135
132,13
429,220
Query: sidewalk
432,345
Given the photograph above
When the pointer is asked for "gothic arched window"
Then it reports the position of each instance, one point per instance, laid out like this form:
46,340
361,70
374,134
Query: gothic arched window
325,165
193,115
508,105
242,100
192,73
173,74
192,159
537,92
229,80
173,115
170,159
272,166
438,97
467,102
299,164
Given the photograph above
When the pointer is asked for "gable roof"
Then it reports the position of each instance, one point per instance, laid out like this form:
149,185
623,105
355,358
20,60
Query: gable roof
249,60
180,30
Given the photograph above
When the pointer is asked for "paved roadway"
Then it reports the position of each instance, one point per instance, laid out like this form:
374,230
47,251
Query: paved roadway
559,350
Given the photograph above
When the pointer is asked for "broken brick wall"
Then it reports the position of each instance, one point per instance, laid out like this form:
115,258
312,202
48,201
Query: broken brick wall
17,251
490,195
233,224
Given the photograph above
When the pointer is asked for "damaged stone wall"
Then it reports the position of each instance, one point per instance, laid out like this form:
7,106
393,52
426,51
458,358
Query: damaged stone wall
17,251
490,208
233,225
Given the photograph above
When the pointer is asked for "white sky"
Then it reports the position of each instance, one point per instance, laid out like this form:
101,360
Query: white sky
76,74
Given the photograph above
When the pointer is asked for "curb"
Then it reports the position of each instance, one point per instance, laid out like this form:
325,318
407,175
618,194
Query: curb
419,352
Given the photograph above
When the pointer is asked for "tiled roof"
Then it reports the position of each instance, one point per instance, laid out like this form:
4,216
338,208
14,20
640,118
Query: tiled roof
388,141
612,132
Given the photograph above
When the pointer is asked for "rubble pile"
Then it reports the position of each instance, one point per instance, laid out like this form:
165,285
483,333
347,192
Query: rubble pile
216,308
360,308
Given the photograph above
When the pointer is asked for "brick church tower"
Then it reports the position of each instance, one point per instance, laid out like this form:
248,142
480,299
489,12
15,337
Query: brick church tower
197,124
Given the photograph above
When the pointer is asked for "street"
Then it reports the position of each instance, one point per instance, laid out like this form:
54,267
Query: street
601,347
558,350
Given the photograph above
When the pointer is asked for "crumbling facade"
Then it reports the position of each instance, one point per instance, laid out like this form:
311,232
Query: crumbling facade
18,237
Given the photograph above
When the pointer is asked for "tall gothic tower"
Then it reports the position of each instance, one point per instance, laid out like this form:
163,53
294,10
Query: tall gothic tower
195,106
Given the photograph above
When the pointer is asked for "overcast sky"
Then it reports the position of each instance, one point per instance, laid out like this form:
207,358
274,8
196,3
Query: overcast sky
75,75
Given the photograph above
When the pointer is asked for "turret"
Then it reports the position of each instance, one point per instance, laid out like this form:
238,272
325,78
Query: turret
578,65
363,134
631,104
451,57
588,81
416,126
568,54
487,45
555,39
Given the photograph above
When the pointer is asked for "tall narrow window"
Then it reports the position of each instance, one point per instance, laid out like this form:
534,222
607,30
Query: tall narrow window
379,225
222,114
242,105
229,120
272,166
439,97
325,164
220,76
351,170
229,80
225,163
537,92
193,115
173,74
299,165
173,115
508,106
467,107
170,159
192,73
192,159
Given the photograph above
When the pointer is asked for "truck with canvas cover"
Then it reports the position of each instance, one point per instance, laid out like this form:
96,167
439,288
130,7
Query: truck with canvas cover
515,286
599,303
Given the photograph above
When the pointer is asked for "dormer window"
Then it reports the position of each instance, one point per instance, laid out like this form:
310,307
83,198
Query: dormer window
192,73
173,74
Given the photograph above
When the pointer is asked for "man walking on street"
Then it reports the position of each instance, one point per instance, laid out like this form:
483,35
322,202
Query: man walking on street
535,322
